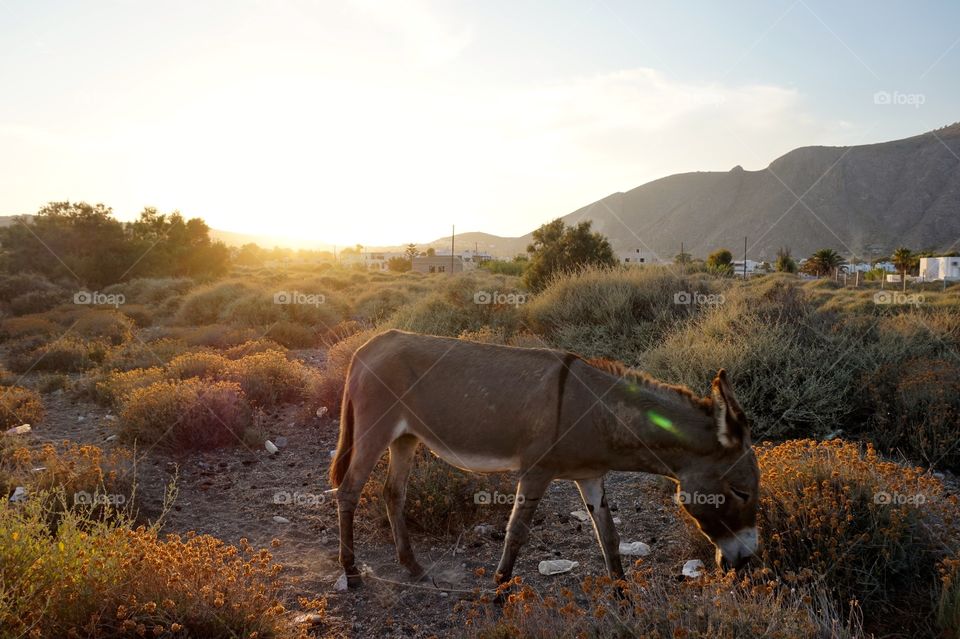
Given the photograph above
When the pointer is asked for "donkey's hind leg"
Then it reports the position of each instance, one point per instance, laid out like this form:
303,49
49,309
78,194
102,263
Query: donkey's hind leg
366,453
402,452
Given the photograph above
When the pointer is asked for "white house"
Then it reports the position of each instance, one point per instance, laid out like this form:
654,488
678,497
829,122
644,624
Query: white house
636,256
752,267
470,259
940,268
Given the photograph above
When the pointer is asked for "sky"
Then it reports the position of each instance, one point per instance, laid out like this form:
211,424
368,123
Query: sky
383,123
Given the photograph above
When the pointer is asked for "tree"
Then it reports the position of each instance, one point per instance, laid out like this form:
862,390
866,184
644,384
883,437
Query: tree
785,262
411,251
823,262
431,252
557,248
682,258
720,262
904,259
400,264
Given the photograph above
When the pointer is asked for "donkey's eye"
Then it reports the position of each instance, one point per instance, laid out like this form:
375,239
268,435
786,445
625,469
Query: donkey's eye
744,496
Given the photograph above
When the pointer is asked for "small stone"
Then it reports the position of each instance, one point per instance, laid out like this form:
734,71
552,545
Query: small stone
634,549
693,568
322,411
341,583
277,519
333,452
110,418
617,521
111,438
81,418
271,447
309,619
580,515
556,566
281,442
483,529
22,429
19,494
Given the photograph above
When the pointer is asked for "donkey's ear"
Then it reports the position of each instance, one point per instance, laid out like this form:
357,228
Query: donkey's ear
730,418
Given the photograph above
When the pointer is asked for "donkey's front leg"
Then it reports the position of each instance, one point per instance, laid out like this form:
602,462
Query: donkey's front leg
533,483
595,499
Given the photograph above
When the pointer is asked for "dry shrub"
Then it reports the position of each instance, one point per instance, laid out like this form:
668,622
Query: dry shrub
863,528
37,301
292,335
251,347
269,378
615,313
65,355
649,605
186,415
138,354
214,335
104,579
151,290
18,406
109,326
206,305
340,332
113,389
441,499
198,364
28,325
462,303
794,373
327,390
377,305
90,481
917,409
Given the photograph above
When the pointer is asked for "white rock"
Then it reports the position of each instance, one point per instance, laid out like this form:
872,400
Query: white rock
693,568
483,529
321,411
309,619
271,447
333,452
280,520
617,521
111,438
19,494
341,583
556,566
580,515
22,429
110,418
80,418
281,442
634,549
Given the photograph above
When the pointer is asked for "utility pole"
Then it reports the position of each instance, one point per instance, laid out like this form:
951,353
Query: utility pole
453,235
744,258
683,259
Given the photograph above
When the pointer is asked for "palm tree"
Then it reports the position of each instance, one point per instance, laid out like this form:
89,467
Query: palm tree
904,259
823,262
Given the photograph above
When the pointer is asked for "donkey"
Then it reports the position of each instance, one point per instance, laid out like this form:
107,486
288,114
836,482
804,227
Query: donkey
548,415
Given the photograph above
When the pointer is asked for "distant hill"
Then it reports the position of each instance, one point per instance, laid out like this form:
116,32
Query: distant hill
861,200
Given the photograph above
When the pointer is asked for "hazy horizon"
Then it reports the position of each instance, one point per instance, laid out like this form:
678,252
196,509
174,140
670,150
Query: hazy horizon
381,124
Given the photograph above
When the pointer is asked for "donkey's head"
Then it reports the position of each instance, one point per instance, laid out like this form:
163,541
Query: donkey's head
721,494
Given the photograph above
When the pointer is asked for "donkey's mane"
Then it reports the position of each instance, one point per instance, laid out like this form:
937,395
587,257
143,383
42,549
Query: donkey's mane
620,369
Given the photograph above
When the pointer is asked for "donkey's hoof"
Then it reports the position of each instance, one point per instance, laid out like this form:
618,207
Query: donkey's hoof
417,573
354,581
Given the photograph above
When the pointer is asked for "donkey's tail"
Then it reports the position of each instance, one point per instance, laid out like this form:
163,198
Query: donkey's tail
341,459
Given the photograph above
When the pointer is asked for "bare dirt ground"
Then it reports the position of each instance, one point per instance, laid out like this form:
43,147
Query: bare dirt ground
233,494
